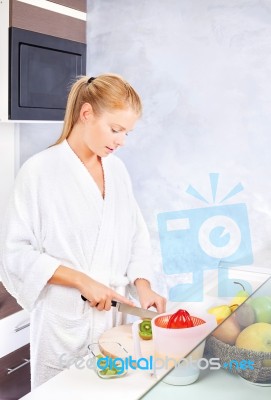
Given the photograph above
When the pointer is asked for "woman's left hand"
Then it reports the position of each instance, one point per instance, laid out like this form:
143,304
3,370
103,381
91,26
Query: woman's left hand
149,298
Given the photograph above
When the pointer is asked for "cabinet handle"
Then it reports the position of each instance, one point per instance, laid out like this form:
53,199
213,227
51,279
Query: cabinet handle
11,370
19,328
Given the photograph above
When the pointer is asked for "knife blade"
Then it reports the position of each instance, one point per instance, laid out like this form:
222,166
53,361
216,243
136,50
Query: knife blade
132,310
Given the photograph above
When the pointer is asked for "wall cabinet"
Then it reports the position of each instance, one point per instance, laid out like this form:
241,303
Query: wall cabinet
43,50
79,5
63,20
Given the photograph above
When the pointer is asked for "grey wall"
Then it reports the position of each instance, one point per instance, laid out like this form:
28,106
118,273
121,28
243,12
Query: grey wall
202,68
35,137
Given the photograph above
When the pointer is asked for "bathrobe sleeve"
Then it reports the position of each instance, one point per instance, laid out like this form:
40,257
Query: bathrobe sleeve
24,267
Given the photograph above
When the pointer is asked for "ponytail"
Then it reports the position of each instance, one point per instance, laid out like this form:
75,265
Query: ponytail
107,92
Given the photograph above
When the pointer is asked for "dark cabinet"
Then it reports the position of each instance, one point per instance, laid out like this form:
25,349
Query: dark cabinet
40,20
15,374
14,366
47,51
8,304
79,5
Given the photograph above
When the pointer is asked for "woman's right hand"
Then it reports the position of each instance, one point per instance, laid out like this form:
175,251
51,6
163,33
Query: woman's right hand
99,295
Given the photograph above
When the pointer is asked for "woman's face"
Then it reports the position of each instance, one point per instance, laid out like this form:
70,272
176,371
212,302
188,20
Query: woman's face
104,133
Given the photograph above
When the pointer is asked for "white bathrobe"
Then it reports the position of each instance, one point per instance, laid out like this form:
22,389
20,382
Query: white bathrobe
57,216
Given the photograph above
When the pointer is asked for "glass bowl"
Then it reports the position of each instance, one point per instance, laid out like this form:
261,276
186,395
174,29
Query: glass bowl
108,359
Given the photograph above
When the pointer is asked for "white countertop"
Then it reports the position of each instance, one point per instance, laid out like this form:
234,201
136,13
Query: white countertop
211,385
85,384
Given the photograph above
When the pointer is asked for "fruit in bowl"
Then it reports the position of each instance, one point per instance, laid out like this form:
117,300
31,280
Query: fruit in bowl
240,296
256,337
262,308
245,315
252,319
228,331
220,312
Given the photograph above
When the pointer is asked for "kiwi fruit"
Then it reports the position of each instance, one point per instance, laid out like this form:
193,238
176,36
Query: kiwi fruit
245,315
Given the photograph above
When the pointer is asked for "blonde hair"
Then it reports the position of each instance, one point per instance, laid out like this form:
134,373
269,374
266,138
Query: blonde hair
106,92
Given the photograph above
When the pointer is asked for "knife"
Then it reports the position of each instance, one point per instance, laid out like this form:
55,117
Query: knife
132,310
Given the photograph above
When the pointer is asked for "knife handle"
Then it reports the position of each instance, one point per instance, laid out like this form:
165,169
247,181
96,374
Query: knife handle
113,302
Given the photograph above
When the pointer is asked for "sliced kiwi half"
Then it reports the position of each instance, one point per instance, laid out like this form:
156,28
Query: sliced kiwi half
145,330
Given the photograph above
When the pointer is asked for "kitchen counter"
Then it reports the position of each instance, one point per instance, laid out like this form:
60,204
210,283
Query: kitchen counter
211,385
83,384
78,384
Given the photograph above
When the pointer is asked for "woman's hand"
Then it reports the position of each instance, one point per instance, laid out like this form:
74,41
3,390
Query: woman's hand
96,293
148,298
99,295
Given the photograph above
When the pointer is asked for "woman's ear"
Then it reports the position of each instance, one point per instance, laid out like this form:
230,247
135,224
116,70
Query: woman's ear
86,112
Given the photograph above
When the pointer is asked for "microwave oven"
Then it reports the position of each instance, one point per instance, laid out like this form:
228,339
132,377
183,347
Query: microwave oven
42,69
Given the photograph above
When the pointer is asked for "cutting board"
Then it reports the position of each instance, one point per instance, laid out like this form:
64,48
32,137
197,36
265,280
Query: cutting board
123,334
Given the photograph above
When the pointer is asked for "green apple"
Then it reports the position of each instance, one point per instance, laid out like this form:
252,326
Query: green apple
262,308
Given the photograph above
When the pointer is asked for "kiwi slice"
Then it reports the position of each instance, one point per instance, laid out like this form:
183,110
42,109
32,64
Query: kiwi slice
112,371
145,330
103,371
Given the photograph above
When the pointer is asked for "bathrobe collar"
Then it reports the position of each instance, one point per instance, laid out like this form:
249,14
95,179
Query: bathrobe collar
105,207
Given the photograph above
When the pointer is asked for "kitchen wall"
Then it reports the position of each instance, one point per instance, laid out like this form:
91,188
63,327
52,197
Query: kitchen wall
36,137
19,141
7,164
202,68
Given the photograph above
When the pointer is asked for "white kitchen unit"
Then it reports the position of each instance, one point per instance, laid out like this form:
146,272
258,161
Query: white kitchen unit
14,332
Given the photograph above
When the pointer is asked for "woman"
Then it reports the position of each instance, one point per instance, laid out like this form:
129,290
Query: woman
73,228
